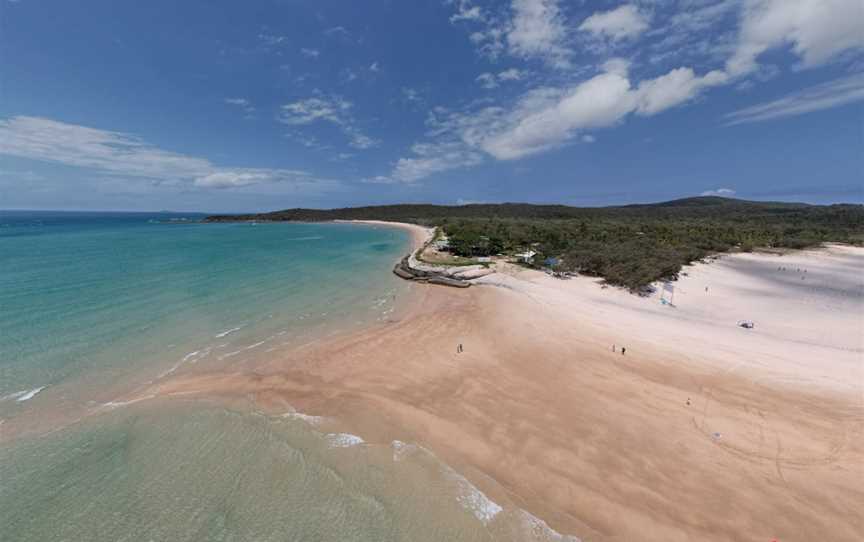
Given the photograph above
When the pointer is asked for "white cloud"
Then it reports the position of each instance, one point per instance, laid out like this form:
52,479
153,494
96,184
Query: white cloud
703,31
272,39
374,67
817,30
244,104
490,42
722,192
674,88
835,93
430,158
554,115
511,74
538,30
543,122
119,154
491,80
315,109
487,80
412,95
228,178
620,23
332,109
338,31
310,53
308,141
348,75
465,11
588,138
359,140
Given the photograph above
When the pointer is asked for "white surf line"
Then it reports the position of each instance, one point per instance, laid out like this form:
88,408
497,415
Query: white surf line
308,418
250,347
479,504
192,357
24,395
115,404
468,495
229,331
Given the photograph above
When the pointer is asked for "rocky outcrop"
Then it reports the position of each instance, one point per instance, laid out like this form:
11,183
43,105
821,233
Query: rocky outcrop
429,274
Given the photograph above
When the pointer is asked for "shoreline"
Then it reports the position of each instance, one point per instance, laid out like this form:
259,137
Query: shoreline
701,431
650,445
420,235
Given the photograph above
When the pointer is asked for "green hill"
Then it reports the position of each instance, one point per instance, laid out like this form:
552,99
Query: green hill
630,245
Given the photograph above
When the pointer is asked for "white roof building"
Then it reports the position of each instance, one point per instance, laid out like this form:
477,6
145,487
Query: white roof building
526,256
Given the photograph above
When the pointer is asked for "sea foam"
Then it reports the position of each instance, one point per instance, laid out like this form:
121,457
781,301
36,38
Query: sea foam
24,395
468,495
474,500
343,440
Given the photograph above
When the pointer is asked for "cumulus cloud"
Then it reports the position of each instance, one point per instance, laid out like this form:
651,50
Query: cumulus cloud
553,115
817,30
310,53
674,88
722,192
843,91
620,23
122,155
549,118
331,109
538,30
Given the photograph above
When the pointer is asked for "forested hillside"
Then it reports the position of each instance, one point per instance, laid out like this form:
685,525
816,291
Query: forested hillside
630,245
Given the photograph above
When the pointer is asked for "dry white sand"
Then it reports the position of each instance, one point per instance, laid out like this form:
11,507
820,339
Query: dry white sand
807,307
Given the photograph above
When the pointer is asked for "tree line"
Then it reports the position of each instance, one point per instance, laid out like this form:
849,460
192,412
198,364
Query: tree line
628,246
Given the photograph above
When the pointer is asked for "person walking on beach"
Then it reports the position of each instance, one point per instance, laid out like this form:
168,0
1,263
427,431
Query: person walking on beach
623,350
459,349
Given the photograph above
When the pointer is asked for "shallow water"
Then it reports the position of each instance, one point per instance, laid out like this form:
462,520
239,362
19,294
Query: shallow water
102,297
95,305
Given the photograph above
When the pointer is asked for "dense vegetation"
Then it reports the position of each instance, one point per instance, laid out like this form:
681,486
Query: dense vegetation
630,246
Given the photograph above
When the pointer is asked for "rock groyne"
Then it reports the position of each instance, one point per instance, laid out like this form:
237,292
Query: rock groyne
405,270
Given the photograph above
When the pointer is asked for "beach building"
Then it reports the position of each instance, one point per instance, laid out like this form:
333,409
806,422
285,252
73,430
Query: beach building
526,257
442,243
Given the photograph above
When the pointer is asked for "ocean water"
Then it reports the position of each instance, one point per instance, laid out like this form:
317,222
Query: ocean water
95,305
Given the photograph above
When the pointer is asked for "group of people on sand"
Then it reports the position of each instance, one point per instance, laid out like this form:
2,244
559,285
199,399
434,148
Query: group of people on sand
623,349
803,273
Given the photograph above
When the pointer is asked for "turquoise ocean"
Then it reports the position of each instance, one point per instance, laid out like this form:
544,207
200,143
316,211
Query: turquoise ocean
95,305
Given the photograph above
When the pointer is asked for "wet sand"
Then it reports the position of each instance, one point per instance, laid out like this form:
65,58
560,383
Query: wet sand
702,431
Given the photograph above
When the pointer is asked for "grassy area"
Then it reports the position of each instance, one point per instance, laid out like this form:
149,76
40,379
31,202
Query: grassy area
441,258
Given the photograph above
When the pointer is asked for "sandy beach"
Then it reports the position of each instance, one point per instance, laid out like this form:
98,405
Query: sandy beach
702,430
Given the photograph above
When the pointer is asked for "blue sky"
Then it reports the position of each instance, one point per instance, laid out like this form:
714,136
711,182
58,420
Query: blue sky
239,106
